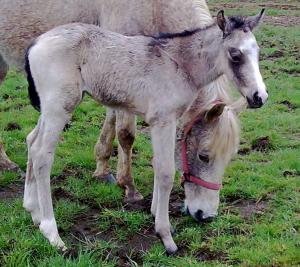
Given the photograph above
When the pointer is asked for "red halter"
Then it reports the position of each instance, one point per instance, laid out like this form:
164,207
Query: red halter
187,177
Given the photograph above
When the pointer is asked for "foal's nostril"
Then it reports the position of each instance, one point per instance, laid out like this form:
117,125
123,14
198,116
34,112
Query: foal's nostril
199,215
257,99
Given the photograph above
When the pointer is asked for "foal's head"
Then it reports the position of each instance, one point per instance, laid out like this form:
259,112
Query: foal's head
241,56
211,141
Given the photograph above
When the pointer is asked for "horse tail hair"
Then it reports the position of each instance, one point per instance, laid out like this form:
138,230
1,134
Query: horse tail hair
32,93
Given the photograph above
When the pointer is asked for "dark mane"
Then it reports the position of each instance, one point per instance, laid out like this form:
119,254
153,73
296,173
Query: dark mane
237,22
186,33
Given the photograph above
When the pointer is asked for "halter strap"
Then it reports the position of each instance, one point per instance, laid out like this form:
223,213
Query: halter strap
187,177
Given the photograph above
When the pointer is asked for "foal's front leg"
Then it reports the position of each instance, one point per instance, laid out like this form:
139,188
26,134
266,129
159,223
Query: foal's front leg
163,141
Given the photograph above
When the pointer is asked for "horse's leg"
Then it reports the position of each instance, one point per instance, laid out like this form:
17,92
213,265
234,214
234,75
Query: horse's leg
41,154
30,202
104,147
163,141
5,163
154,197
126,133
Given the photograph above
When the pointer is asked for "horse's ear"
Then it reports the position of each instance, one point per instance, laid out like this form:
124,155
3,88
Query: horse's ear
221,21
254,21
215,112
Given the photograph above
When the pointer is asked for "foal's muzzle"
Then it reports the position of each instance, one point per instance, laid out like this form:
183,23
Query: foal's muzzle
199,216
255,102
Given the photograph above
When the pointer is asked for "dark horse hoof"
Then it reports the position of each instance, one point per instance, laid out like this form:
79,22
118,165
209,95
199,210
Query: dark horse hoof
109,178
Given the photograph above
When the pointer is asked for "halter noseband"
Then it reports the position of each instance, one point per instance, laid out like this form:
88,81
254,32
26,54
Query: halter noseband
187,177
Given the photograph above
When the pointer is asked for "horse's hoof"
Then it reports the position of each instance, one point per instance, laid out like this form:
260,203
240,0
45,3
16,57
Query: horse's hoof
136,196
109,178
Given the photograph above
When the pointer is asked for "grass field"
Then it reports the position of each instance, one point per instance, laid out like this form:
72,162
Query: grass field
259,220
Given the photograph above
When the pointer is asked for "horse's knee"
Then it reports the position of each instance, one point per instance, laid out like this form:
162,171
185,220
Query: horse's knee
165,180
126,138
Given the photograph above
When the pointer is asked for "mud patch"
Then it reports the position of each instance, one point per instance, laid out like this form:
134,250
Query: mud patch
244,151
12,126
68,171
283,20
175,207
205,254
247,208
86,229
11,191
293,173
289,105
262,144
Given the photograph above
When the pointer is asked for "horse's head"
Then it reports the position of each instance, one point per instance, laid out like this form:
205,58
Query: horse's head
241,56
209,139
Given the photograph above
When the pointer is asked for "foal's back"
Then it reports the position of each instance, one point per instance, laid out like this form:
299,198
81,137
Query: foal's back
117,70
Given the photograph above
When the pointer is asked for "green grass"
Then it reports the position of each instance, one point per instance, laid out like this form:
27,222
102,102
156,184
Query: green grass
268,236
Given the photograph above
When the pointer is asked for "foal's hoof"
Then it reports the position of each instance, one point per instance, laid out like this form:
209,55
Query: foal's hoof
169,245
109,178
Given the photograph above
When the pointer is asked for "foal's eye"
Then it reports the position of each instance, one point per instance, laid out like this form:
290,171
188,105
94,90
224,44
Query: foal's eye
235,55
203,158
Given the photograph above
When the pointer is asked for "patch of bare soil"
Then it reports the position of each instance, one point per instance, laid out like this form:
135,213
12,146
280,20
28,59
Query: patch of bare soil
11,191
293,173
12,126
289,105
65,173
244,151
282,20
205,254
86,229
175,208
248,208
262,144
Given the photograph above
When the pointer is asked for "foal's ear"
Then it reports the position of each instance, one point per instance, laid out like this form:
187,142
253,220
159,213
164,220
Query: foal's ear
254,21
221,21
215,112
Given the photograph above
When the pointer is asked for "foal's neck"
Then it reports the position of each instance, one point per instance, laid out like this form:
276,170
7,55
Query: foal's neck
200,54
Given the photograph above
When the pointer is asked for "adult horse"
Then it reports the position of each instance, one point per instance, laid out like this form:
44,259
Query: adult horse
155,77
21,21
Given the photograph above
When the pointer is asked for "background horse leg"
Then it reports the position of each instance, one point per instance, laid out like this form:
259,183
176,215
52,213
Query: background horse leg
163,141
126,133
104,147
5,163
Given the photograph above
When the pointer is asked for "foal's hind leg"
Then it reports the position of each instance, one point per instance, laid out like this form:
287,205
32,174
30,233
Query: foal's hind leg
104,147
41,156
126,133
30,202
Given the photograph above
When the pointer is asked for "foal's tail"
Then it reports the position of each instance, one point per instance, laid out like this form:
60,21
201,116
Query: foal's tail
33,95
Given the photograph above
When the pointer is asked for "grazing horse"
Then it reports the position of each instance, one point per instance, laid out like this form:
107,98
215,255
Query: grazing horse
157,78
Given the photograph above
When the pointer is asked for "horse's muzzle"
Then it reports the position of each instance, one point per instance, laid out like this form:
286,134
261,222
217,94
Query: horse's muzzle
199,216
255,102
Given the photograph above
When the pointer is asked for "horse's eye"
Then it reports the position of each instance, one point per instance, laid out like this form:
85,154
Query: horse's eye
235,55
204,158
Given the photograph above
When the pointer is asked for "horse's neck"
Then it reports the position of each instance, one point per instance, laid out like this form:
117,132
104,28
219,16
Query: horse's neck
199,55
